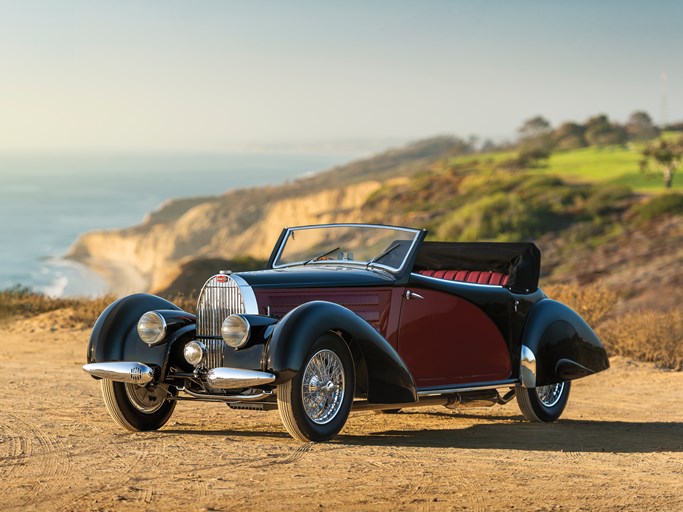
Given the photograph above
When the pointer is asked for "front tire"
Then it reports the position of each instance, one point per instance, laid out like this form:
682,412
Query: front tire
543,403
137,408
315,404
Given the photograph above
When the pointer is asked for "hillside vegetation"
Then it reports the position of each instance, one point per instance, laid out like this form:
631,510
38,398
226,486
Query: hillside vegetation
577,191
554,188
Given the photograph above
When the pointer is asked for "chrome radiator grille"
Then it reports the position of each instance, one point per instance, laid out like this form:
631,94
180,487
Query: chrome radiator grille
220,298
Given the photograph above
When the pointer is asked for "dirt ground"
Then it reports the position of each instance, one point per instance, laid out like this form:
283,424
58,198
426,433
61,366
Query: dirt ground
619,446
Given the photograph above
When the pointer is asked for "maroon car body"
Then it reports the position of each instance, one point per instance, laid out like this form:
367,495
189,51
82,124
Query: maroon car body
350,317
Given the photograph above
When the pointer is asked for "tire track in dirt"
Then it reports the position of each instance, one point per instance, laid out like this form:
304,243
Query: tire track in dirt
296,455
416,492
472,496
15,449
34,457
130,453
151,450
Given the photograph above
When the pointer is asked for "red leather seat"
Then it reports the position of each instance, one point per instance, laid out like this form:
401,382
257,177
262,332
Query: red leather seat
468,276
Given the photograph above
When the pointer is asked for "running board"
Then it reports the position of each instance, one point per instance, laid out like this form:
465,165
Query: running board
467,387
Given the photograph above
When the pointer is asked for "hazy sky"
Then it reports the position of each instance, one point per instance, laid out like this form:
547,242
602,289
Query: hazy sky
207,75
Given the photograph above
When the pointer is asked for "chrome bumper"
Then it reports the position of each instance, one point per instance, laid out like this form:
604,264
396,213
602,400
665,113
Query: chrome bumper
120,371
235,378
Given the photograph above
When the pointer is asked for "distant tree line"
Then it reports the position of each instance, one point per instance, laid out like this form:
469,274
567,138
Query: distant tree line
538,139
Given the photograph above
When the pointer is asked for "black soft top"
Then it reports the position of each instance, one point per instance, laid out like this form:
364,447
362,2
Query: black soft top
521,262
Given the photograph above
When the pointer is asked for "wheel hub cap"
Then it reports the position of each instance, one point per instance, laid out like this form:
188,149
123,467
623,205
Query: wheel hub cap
146,399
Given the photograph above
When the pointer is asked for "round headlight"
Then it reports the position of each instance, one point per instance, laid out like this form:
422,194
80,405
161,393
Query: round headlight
194,352
152,328
235,331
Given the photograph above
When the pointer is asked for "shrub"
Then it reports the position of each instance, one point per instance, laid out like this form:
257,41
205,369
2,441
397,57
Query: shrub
499,216
22,302
506,206
606,199
666,204
593,302
653,336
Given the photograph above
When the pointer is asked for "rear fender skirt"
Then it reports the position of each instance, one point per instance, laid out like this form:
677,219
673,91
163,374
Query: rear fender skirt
558,345
389,380
115,337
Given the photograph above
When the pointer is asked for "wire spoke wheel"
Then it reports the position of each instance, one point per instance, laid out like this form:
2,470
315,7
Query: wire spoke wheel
550,395
314,405
543,403
323,387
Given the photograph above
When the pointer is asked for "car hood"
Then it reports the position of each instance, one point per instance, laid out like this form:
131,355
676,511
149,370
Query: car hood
315,277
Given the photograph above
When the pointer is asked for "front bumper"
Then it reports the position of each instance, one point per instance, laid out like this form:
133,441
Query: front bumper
121,371
217,378
236,378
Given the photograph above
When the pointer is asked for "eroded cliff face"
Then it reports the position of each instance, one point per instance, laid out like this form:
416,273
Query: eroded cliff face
239,223
247,222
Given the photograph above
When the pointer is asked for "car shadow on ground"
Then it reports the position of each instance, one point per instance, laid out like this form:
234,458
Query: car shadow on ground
571,436
562,436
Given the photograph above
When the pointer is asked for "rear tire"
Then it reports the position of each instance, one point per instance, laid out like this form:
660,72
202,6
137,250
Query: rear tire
137,408
315,404
543,403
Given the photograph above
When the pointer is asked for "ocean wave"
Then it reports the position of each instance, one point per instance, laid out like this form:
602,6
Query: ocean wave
57,287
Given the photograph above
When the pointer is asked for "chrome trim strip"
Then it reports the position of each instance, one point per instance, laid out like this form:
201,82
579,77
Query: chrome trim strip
457,282
527,368
235,378
248,295
468,387
121,371
222,295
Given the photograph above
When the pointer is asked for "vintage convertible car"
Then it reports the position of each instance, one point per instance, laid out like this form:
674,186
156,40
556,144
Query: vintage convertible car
349,317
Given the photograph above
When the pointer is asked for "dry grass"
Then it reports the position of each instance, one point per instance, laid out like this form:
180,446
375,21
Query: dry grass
593,302
653,336
22,302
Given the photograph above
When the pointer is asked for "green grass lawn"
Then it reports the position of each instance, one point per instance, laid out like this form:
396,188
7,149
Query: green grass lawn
613,164
619,165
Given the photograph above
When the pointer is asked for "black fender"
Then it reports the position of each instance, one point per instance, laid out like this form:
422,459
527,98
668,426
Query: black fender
389,380
558,345
115,337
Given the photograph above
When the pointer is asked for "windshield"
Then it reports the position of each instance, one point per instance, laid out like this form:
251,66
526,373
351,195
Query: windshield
352,244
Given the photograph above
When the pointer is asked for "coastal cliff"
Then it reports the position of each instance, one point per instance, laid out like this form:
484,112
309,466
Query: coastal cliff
236,224
244,222
588,232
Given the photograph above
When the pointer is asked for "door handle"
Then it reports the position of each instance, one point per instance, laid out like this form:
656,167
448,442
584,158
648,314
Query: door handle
413,295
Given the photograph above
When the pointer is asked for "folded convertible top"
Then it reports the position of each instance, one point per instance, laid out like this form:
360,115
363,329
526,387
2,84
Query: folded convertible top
521,262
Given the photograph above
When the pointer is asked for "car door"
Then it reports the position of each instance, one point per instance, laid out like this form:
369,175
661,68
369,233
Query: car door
447,339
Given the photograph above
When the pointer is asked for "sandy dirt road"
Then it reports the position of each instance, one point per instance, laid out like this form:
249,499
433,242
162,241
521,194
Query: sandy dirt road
619,446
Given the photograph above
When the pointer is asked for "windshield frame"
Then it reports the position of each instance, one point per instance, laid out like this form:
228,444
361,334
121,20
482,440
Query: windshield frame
418,236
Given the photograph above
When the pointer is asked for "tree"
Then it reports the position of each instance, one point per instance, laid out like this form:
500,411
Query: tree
641,127
535,141
533,128
570,136
601,132
665,155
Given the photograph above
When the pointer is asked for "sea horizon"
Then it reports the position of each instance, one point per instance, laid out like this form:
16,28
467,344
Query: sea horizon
48,199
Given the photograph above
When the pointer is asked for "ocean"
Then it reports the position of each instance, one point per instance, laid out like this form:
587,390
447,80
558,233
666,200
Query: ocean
46,201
